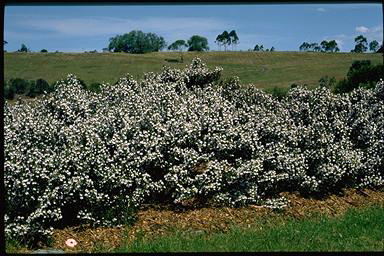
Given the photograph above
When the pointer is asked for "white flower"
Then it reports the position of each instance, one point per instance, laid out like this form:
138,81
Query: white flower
71,242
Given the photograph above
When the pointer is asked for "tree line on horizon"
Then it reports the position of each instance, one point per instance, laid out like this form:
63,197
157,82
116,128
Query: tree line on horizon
138,42
331,46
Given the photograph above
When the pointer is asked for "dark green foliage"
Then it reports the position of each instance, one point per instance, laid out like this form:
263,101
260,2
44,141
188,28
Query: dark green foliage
38,87
178,45
42,86
278,92
223,39
95,87
310,47
361,44
20,85
83,84
52,86
304,46
23,87
174,60
219,40
329,46
198,43
234,39
32,92
9,92
43,50
136,41
227,39
361,74
373,46
258,48
343,86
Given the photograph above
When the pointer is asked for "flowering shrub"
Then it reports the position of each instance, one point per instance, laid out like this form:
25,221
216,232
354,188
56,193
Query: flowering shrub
77,156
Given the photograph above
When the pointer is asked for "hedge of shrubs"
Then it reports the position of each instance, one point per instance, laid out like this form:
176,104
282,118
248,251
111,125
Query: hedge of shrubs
77,156
33,88
362,73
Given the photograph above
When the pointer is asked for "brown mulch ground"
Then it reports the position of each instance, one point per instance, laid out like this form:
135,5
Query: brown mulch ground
155,222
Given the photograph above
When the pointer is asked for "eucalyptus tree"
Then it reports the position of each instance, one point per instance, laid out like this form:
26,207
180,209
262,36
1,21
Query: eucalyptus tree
178,45
225,39
373,46
329,46
219,41
304,46
198,43
233,38
136,41
361,44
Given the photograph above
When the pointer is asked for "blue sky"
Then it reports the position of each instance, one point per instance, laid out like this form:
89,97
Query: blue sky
284,26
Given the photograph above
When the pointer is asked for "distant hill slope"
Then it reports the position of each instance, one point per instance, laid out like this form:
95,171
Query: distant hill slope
262,69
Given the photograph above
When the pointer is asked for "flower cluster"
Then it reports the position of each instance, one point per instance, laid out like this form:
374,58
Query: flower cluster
77,156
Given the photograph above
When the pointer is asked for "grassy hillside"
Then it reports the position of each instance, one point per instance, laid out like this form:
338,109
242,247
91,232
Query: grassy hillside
263,69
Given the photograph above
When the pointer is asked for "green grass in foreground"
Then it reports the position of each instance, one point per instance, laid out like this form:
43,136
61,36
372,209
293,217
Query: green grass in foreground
357,230
261,69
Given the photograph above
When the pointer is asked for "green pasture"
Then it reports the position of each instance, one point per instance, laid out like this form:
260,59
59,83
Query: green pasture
262,69
357,230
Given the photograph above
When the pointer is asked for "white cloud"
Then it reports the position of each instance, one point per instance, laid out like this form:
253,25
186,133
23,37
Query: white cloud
372,33
320,9
377,30
362,29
